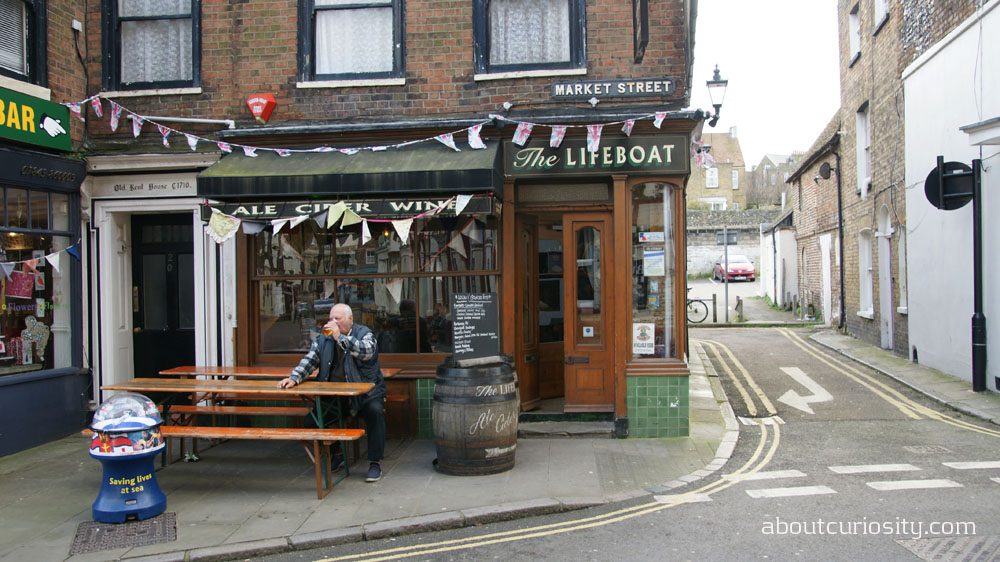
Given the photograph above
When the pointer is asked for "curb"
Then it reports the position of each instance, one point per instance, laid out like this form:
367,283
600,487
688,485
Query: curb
762,324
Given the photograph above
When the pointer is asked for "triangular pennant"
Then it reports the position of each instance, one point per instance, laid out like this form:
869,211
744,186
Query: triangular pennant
278,224
448,139
250,151
366,235
224,147
7,268
460,202
323,149
29,265
556,138
283,152
335,213
321,218
594,137
54,260
192,141
137,125
74,108
253,227
221,227
458,245
74,251
350,217
349,151
402,227
165,131
658,120
475,141
116,113
522,133
627,127
395,288
95,103
297,221
472,231
379,148
442,206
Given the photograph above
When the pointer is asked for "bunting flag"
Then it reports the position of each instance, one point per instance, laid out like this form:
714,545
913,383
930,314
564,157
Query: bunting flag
335,213
458,245
395,288
137,125
74,251
253,227
297,221
95,103
558,132
75,109
460,202
165,131
522,133
627,127
283,153
250,151
278,224
472,231
221,227
29,265
350,151
402,227
224,147
54,260
192,141
116,113
658,120
350,217
448,139
475,141
366,235
7,268
594,137
321,218
379,148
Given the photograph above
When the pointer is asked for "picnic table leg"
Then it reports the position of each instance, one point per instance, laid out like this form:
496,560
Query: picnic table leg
324,483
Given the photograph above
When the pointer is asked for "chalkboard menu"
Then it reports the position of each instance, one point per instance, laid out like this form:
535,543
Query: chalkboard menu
475,325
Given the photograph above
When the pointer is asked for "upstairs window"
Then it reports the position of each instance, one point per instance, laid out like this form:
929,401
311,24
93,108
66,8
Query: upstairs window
881,12
151,44
712,177
854,31
863,141
350,39
518,35
736,179
22,40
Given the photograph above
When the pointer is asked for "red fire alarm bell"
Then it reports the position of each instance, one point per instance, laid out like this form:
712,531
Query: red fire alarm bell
261,105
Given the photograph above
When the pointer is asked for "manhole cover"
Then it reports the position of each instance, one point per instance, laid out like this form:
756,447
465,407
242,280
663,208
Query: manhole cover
92,536
926,449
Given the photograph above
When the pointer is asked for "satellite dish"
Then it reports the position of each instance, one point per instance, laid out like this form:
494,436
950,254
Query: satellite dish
824,170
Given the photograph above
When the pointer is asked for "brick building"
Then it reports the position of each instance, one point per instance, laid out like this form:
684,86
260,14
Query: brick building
767,179
367,101
722,185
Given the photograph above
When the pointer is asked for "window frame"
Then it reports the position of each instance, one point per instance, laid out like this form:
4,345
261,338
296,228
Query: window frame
710,173
111,49
880,12
736,179
577,42
866,274
36,46
854,33
307,43
863,143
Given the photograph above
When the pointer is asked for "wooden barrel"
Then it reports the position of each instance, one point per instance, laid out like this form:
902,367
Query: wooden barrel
475,418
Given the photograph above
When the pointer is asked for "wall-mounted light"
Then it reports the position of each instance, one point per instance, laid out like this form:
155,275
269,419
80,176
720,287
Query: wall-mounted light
716,91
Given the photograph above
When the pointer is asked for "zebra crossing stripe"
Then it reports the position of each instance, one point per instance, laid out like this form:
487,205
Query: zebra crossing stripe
997,480
683,498
789,492
861,468
889,485
974,465
766,475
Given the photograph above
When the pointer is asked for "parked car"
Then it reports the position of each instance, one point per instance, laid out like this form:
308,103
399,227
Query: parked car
740,268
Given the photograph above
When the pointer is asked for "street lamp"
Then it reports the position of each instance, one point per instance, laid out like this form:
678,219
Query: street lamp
716,91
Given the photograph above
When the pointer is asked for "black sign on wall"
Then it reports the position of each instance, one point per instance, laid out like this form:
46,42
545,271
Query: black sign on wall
475,325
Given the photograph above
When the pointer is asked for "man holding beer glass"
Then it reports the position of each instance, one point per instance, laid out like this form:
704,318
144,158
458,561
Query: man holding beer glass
348,352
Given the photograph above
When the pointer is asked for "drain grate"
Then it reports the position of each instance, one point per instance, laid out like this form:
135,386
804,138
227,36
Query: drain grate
954,549
92,536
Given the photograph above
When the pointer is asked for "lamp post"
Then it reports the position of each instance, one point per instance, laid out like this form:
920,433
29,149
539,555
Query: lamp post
716,91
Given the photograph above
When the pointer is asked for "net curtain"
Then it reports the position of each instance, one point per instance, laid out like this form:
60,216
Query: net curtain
529,31
155,50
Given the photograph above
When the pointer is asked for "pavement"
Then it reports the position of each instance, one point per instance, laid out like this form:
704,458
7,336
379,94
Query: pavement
248,498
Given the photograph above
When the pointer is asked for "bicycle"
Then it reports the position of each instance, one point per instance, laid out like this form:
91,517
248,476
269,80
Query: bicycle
697,310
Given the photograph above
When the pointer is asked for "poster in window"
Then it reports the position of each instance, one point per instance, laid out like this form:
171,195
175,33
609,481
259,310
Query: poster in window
652,262
643,338
21,285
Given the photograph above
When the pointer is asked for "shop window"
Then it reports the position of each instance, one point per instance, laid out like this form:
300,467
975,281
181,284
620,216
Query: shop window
652,272
517,35
36,310
401,291
23,41
350,39
152,44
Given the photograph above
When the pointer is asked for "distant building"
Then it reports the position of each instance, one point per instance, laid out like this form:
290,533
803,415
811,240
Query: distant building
767,179
718,182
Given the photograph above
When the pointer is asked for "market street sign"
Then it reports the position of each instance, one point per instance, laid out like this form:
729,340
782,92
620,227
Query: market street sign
636,155
586,89
32,120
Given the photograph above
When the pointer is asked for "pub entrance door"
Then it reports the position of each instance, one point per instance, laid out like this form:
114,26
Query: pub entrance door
565,346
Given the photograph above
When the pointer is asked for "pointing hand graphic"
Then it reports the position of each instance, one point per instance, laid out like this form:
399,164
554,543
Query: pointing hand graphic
51,126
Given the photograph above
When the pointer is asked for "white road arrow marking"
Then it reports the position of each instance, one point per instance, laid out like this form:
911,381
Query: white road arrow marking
795,400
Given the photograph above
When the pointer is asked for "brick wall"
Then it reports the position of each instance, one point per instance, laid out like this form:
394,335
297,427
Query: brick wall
814,214
66,76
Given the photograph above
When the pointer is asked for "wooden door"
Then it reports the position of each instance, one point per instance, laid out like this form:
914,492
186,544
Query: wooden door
526,321
589,334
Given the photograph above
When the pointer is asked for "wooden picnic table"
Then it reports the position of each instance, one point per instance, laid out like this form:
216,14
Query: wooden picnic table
248,372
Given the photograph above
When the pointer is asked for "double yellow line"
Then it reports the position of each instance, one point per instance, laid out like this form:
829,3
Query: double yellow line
715,346
766,448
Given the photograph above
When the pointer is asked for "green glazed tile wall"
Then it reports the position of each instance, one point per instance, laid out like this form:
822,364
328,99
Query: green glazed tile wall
657,406
425,407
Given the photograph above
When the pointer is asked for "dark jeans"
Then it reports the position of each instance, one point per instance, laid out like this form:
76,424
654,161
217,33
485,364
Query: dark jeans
374,415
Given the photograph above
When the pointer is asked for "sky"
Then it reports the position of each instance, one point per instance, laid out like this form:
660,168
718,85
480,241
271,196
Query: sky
780,57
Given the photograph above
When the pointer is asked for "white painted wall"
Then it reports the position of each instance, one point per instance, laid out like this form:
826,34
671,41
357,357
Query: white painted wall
782,250
948,87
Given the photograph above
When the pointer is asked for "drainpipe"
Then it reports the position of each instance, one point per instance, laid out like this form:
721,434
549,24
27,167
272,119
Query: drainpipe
840,236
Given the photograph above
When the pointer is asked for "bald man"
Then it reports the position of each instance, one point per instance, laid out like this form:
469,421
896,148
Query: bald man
348,352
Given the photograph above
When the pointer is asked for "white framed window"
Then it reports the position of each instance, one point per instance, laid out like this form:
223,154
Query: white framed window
22,40
712,177
854,31
736,179
901,257
151,44
519,35
866,303
881,9
863,146
350,39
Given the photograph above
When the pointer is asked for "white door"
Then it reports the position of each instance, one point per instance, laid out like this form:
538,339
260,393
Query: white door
826,291
884,236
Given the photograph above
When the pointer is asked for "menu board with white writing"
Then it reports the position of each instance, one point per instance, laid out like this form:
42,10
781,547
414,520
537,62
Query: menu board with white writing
475,325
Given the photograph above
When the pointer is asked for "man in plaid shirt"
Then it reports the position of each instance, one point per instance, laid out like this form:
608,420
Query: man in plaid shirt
348,352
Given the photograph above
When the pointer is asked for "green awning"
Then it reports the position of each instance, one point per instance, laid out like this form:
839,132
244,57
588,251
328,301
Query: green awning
423,167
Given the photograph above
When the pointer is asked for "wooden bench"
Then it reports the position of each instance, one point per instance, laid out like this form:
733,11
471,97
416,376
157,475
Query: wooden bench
187,412
319,455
